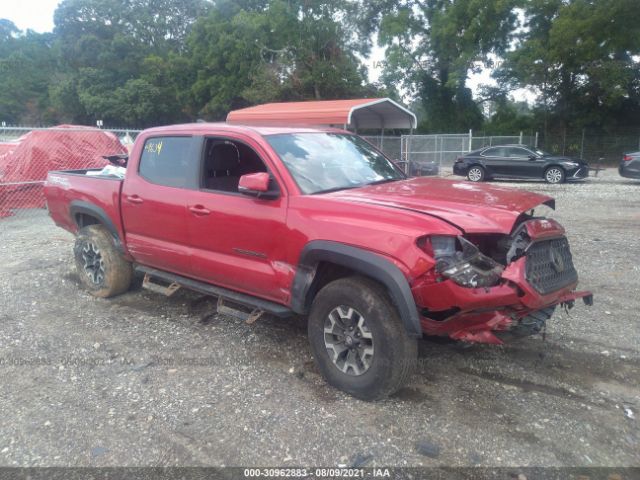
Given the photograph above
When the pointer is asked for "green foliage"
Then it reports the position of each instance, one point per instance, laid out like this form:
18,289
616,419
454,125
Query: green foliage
510,117
281,51
26,65
579,56
149,62
431,47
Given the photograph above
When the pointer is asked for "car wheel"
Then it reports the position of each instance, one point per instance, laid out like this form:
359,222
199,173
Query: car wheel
102,269
554,175
358,340
476,174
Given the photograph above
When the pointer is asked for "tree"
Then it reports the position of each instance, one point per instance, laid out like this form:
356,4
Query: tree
114,52
431,46
579,56
252,52
26,66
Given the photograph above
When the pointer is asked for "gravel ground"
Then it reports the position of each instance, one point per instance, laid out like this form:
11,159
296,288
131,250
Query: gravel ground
143,380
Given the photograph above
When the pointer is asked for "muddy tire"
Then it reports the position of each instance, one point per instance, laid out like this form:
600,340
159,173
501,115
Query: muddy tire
358,340
102,269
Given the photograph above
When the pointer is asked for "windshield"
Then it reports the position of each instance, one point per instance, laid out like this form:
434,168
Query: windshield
322,162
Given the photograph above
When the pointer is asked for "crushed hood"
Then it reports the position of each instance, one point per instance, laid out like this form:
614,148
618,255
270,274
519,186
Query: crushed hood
472,207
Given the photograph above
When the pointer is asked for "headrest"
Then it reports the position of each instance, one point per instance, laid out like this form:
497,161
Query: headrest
223,156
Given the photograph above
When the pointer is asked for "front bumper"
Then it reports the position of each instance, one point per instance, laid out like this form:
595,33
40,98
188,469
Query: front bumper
477,313
630,169
579,173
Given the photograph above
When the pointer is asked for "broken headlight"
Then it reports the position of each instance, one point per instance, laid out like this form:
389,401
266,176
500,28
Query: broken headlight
461,261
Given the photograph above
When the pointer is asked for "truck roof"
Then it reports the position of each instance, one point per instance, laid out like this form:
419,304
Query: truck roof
214,127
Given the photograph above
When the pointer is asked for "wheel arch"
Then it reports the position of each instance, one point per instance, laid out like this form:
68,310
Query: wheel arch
84,214
552,165
322,261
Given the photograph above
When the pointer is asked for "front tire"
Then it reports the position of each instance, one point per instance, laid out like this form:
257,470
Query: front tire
102,269
554,175
358,340
476,173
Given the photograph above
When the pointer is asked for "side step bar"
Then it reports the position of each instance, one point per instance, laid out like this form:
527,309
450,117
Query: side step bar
220,292
167,291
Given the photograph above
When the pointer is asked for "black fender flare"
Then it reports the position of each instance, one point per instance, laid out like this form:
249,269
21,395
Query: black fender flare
359,260
78,207
555,164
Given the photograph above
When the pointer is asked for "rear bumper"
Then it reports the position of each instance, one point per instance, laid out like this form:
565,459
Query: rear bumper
477,313
460,169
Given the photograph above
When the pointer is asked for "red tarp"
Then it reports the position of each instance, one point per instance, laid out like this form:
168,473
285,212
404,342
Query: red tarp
29,158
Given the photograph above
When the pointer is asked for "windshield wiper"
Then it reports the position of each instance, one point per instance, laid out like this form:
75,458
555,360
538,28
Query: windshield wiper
349,187
335,189
384,180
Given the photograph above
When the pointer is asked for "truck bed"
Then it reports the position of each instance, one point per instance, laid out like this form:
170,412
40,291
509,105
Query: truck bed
70,193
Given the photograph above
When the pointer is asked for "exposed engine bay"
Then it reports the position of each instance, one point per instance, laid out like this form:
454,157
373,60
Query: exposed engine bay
522,277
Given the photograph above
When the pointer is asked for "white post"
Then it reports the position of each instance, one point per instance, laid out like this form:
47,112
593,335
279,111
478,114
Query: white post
520,137
470,138
408,146
536,145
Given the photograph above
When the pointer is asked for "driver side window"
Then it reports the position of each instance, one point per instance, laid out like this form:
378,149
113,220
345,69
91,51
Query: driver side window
516,152
225,161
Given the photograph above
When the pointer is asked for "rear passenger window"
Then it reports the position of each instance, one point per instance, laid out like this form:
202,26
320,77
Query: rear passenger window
167,161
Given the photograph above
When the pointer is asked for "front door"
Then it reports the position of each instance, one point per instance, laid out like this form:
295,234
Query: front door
525,164
237,240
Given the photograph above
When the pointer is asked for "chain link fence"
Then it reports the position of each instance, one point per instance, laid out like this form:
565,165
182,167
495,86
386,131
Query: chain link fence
435,154
424,155
591,146
390,146
27,154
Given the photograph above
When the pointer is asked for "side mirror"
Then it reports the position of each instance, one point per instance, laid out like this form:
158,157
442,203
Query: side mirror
256,185
532,158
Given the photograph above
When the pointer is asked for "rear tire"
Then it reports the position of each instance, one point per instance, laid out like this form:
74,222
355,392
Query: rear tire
102,269
358,340
476,173
554,175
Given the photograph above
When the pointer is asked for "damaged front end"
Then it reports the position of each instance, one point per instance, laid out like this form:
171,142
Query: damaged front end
487,288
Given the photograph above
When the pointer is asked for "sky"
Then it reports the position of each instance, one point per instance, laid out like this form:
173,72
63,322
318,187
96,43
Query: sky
34,14
38,15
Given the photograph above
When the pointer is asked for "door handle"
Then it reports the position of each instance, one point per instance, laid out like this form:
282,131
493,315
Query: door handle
134,199
199,210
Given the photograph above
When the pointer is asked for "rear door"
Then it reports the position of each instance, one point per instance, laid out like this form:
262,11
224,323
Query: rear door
496,161
154,199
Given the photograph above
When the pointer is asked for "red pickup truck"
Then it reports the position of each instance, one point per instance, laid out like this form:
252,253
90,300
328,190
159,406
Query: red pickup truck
317,222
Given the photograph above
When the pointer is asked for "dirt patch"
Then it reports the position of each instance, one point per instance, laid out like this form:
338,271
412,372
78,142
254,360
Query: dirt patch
146,380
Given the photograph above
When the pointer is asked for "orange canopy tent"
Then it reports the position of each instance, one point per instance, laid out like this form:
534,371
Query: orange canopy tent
364,113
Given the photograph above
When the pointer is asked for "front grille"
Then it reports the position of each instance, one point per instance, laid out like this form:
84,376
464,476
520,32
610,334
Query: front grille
550,266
